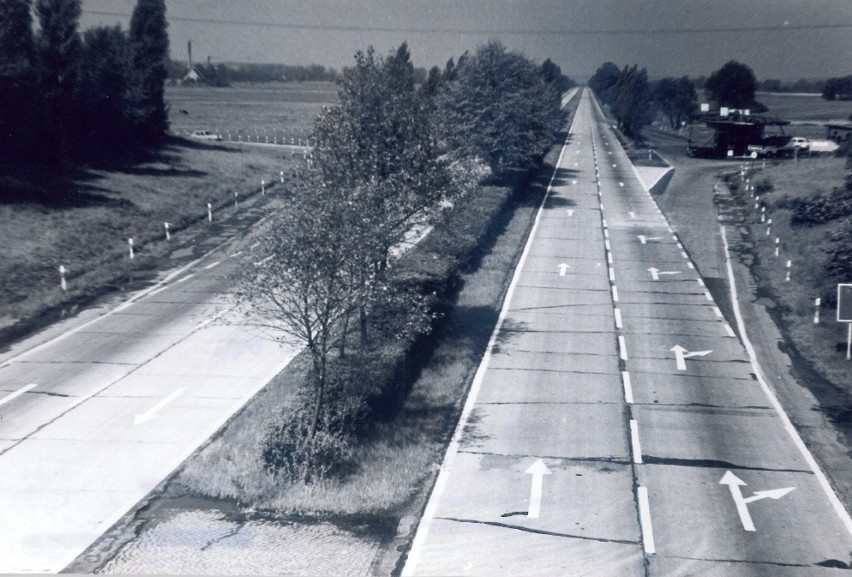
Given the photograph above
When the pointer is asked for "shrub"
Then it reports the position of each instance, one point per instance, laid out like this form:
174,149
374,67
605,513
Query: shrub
839,255
820,208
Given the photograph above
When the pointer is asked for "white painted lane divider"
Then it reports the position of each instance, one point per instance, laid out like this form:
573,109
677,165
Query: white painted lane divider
681,354
186,278
622,347
212,319
538,470
655,272
734,484
634,442
618,323
151,413
645,521
213,265
628,387
18,393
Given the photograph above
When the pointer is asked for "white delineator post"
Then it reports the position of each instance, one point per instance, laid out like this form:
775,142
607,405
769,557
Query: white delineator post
236,202
282,177
263,187
777,242
168,236
789,264
130,245
209,212
817,303
62,278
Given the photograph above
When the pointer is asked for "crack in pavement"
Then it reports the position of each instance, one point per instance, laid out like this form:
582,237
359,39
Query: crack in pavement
612,460
540,531
743,561
713,464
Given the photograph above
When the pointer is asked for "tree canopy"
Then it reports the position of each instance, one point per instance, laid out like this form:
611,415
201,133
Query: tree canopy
732,85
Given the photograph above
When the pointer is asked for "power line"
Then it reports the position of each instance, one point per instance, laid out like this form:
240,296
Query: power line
506,31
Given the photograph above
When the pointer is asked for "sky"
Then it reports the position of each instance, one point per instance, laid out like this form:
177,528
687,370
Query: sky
784,39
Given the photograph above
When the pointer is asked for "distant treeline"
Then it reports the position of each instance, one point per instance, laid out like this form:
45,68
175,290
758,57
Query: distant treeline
225,74
67,97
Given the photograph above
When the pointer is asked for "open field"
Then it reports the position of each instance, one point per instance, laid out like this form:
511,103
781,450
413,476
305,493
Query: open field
86,221
808,113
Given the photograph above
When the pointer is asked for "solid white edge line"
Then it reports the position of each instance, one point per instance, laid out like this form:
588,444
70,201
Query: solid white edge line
634,442
452,450
628,387
645,521
839,509
16,394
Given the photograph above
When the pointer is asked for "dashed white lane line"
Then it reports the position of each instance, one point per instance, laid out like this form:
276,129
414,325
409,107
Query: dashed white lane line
708,296
236,254
700,282
618,322
683,254
634,442
622,348
729,330
611,274
186,278
609,257
717,312
628,387
645,521
213,265
690,265
16,394
607,245
614,293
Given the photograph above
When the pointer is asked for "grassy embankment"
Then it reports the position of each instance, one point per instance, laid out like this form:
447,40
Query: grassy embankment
84,222
396,460
808,248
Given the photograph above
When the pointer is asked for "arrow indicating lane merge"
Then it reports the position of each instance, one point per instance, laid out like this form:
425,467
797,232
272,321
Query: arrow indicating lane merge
656,273
735,485
681,354
538,470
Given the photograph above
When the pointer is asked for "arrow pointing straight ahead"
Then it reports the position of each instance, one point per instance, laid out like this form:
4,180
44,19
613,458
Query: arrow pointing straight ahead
538,470
563,268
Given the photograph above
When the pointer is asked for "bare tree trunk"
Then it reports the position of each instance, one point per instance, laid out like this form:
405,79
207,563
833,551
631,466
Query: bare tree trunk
343,334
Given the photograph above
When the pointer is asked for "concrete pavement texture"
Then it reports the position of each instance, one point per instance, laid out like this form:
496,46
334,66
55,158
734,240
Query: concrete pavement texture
640,444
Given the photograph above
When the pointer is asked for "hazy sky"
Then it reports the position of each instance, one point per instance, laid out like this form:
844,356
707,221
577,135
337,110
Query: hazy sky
786,39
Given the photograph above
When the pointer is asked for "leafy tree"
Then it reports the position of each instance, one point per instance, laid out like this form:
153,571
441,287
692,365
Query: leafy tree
57,52
17,80
603,82
838,88
732,85
499,109
149,51
676,99
553,76
633,106
102,91
378,147
433,83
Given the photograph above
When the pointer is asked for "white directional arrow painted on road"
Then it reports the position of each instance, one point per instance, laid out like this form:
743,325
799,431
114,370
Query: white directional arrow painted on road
570,212
734,483
681,354
563,268
655,272
151,413
632,214
538,470
645,239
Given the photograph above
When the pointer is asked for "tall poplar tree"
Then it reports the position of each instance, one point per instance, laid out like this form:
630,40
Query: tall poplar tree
57,49
149,51
17,79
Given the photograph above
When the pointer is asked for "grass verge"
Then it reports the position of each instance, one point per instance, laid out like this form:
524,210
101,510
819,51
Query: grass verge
807,248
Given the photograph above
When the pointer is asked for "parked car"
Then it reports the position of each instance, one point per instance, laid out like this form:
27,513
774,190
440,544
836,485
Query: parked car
206,135
800,142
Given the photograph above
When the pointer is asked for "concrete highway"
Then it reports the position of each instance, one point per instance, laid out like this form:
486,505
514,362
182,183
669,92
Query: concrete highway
94,418
617,424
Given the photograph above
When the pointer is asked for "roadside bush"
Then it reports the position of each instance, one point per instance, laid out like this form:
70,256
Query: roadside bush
763,186
820,208
840,255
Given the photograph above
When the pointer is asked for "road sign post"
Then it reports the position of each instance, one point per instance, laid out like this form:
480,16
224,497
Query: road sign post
844,312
